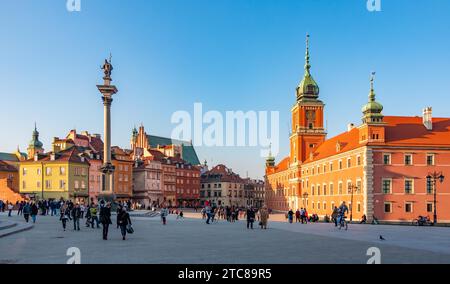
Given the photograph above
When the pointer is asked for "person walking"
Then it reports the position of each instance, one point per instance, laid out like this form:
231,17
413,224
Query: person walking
82,209
334,215
64,215
105,218
10,209
21,205
123,221
26,211
34,211
297,216
250,218
93,216
290,216
264,216
164,213
76,215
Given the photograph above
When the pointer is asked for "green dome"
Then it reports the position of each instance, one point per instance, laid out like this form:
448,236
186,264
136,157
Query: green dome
308,88
372,110
372,107
35,143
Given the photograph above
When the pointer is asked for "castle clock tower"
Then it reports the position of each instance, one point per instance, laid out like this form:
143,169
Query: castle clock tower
308,130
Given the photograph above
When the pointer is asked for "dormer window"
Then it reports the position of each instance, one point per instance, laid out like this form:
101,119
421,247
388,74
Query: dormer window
338,146
52,157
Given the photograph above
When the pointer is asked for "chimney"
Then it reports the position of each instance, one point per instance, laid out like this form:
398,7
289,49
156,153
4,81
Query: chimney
55,145
428,118
350,127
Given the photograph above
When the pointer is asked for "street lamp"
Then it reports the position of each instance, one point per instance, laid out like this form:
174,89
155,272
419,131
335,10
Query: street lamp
351,190
431,179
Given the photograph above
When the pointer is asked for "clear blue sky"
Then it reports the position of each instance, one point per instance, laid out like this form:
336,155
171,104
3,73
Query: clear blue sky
227,54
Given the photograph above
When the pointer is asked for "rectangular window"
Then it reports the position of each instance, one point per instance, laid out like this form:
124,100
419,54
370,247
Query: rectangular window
38,184
386,159
324,189
358,160
349,163
38,171
318,190
24,171
48,171
24,185
340,165
62,171
408,207
409,186
430,187
76,184
48,184
331,189
387,186
340,188
387,207
429,207
358,209
408,160
358,186
430,159
331,167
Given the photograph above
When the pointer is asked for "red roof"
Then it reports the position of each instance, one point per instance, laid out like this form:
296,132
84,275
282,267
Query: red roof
225,174
68,155
283,165
5,167
96,144
410,131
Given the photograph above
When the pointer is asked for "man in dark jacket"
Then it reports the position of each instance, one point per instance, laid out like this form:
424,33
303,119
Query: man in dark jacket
26,211
250,218
123,220
34,211
105,218
76,215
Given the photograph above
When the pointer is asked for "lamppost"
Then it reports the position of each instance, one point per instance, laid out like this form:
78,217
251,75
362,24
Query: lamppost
432,178
305,196
351,190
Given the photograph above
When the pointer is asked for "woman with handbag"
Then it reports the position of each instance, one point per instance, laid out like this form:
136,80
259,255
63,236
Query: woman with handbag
124,222
64,215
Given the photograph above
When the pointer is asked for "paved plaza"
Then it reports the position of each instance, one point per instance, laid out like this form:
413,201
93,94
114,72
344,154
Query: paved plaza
191,241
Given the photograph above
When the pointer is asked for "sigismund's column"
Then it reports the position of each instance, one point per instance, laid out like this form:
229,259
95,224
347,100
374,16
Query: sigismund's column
107,90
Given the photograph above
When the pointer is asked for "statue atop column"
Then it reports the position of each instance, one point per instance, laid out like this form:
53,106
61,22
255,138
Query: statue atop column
107,68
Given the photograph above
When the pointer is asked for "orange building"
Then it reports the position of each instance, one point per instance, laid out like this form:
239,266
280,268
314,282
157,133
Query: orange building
9,183
378,168
123,174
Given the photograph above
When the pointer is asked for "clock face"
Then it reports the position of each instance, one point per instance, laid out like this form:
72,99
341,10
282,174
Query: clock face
310,115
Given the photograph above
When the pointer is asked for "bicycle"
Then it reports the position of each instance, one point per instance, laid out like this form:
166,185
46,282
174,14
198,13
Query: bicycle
343,223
